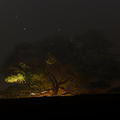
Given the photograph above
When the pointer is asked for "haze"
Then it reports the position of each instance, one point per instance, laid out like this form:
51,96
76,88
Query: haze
31,20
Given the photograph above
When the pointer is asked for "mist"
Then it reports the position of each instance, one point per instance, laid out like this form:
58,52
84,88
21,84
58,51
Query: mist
29,20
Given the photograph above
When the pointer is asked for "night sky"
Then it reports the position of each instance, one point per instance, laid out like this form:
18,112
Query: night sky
30,20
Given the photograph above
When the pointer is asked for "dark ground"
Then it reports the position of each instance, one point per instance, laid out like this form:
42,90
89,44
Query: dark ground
68,106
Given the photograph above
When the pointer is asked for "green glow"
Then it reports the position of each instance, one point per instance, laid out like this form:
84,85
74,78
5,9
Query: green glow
19,78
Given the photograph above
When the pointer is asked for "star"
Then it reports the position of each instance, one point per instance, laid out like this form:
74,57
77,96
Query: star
16,17
25,28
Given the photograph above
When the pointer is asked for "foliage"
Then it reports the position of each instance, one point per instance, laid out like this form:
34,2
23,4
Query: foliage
23,65
50,59
19,78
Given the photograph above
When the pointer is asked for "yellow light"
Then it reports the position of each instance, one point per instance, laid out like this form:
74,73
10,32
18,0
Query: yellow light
19,78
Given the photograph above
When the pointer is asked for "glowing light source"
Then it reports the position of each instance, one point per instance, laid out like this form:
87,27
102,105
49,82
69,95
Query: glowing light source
19,78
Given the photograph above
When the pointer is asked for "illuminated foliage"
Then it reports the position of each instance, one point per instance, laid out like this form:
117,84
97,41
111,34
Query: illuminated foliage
50,59
56,80
19,78
23,65
39,82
